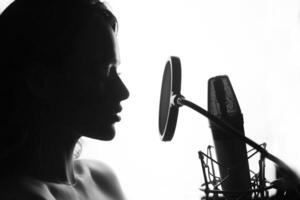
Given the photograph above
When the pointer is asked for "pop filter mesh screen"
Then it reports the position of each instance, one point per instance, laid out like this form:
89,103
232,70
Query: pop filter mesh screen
164,107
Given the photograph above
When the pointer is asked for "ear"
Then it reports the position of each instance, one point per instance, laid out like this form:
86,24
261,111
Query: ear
39,81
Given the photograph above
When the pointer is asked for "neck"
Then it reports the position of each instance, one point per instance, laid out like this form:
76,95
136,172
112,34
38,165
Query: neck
52,160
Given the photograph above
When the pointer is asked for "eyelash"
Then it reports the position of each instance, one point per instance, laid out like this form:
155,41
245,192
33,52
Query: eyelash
113,69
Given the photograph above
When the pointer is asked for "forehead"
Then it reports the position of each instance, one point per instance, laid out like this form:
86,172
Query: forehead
97,42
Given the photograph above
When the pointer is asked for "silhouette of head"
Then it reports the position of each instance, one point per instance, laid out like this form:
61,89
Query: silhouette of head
59,68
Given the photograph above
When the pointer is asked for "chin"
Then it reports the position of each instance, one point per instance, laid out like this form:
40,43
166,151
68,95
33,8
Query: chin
101,133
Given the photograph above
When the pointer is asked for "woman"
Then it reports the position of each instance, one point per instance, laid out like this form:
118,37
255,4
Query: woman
59,82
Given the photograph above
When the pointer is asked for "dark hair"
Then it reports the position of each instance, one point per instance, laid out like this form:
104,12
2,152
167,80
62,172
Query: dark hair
35,31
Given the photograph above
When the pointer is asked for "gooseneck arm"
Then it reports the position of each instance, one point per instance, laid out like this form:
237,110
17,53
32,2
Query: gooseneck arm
290,177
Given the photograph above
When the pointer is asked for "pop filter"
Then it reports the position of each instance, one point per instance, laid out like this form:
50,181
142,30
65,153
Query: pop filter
168,111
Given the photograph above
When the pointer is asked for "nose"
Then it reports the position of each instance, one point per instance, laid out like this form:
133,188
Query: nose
123,91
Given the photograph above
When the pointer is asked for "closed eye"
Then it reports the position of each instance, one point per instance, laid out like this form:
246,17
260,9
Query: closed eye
113,71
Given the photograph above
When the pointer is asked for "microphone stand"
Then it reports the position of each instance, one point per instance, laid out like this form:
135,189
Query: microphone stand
291,179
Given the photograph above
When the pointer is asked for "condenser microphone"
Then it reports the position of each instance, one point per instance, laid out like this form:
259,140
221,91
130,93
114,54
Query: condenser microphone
230,151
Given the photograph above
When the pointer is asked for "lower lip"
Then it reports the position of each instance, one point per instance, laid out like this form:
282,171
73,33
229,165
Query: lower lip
116,118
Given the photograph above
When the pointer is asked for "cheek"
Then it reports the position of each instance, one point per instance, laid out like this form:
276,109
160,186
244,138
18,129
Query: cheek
85,87
85,92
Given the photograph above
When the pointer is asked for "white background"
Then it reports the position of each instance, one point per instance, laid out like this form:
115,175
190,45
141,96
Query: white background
255,42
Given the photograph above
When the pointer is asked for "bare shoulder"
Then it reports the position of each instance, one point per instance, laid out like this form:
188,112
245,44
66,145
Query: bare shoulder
102,175
24,189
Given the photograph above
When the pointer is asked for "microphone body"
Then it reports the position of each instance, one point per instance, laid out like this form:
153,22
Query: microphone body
230,151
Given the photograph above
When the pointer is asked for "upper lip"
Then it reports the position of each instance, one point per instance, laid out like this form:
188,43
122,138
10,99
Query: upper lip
117,109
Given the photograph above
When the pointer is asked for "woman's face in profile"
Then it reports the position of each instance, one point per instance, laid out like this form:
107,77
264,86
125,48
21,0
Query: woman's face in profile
92,89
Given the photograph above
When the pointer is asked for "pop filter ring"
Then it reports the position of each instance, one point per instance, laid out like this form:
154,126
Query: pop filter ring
171,86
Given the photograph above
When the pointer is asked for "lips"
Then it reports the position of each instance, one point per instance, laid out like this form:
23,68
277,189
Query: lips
115,117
